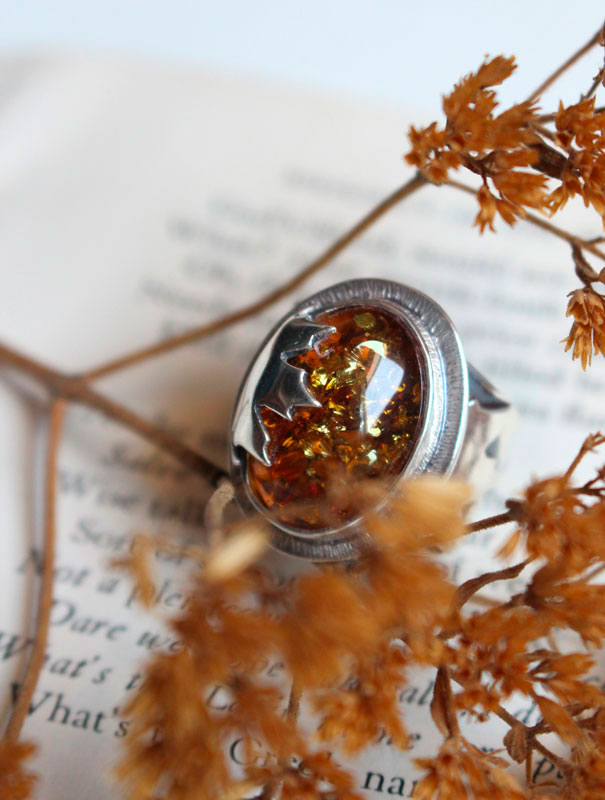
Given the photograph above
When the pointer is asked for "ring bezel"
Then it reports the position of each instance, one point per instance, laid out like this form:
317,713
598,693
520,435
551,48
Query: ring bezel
446,388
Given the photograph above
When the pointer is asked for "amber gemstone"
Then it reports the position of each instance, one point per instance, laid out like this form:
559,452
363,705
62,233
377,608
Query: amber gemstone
368,378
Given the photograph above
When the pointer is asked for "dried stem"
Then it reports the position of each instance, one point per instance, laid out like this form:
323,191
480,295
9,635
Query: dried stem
533,742
36,661
506,716
492,522
566,65
417,182
214,513
594,86
587,446
561,763
467,589
77,390
294,703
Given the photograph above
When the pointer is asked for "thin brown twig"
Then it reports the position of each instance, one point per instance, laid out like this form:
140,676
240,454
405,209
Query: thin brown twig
598,79
594,86
77,390
294,703
565,65
467,589
491,522
531,736
533,742
544,131
561,763
528,767
485,601
415,183
36,661
540,223
588,446
506,716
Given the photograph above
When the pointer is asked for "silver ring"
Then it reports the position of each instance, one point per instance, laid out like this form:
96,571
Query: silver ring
365,379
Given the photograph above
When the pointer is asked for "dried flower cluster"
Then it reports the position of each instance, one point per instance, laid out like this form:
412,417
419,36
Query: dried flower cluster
498,147
587,308
340,635
347,637
580,133
502,147
519,157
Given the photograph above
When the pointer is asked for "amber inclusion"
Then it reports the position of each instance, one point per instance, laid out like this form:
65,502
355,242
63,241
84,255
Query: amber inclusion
368,378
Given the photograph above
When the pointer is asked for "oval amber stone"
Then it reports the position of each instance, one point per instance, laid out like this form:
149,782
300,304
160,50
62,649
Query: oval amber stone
368,378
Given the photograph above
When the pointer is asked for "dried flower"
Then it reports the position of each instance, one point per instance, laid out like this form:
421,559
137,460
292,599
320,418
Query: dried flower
16,781
587,333
461,770
517,157
501,147
498,147
317,777
580,130
138,563
333,630
347,637
355,714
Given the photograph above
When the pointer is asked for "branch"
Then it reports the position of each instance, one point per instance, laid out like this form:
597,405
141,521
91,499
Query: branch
36,661
293,703
77,390
562,763
566,65
511,515
467,589
268,300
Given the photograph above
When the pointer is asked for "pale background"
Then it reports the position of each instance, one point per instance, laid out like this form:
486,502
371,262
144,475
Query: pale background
392,51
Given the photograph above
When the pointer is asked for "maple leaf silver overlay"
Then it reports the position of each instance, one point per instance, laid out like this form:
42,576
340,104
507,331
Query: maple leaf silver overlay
279,385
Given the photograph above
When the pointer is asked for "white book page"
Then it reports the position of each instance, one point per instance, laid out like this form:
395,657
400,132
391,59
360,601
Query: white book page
137,201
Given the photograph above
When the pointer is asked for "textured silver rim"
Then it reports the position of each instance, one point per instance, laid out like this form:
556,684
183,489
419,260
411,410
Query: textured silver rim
446,398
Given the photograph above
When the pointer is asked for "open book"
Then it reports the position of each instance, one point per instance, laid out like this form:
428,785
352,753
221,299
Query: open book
138,201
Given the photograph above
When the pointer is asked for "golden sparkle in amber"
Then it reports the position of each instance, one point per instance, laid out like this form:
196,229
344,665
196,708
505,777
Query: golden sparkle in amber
367,377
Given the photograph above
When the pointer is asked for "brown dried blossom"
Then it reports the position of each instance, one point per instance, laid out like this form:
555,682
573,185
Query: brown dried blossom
16,781
580,131
317,777
356,713
347,637
498,147
587,333
333,630
502,147
461,770
523,164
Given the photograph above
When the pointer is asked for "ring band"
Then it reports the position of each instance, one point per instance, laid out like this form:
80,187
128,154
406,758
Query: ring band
363,380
